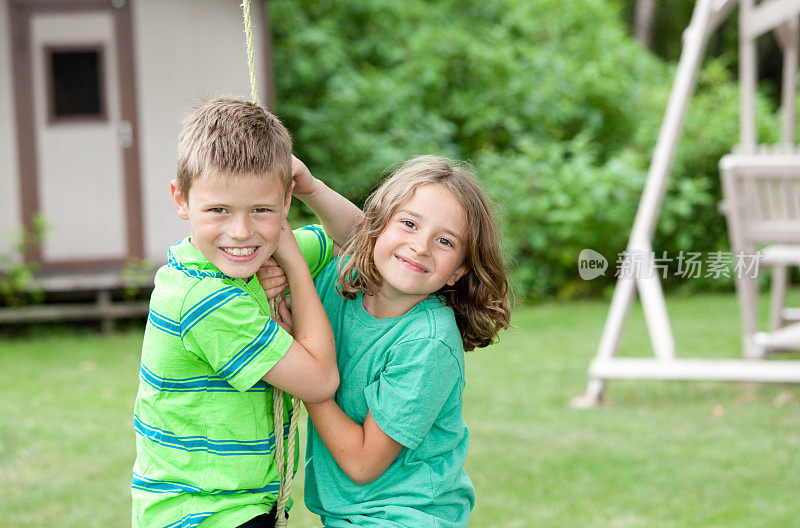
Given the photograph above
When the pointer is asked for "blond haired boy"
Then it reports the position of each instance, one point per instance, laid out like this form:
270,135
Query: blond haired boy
211,352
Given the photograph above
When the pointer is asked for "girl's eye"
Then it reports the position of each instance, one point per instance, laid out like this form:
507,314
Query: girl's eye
445,242
408,223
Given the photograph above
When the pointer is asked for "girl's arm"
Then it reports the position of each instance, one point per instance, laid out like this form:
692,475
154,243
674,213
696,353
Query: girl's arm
308,369
337,214
364,453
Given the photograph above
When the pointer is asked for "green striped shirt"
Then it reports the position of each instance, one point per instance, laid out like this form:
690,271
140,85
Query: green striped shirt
203,420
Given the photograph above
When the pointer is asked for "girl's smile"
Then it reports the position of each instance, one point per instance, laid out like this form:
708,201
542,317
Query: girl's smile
410,264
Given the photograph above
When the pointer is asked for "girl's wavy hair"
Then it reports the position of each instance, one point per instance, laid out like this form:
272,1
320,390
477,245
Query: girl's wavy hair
480,298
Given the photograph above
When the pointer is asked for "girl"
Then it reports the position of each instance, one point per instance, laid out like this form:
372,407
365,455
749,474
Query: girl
420,282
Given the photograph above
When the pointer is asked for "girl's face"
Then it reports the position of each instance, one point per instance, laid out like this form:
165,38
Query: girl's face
422,246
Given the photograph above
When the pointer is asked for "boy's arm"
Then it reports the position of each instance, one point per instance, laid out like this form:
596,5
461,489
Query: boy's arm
338,214
363,452
308,369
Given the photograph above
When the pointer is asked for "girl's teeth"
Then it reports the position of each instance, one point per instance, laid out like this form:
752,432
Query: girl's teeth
240,252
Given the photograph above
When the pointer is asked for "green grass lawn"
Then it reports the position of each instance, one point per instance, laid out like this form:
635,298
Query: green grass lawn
660,454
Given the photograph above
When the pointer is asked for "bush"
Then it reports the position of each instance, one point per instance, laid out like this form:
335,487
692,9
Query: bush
17,287
555,105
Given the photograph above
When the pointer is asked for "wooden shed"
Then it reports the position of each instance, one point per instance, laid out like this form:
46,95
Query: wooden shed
92,93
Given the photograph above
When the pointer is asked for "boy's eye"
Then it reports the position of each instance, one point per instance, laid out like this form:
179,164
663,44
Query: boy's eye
261,210
218,210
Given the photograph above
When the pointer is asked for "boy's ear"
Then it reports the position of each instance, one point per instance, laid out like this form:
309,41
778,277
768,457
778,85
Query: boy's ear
180,201
457,274
288,201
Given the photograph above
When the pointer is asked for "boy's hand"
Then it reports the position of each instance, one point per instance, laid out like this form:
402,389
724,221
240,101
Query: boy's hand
303,180
287,254
286,318
272,278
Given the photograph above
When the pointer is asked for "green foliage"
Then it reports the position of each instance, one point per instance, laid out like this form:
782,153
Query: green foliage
137,276
16,275
554,103
558,199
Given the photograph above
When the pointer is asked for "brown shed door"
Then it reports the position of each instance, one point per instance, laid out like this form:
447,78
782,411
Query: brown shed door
80,135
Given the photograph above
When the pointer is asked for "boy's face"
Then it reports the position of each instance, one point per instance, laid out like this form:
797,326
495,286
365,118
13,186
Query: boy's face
235,221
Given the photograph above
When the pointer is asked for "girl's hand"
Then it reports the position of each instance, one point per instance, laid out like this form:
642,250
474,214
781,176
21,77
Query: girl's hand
303,180
272,278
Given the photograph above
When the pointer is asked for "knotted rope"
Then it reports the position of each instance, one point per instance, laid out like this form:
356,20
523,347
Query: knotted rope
285,466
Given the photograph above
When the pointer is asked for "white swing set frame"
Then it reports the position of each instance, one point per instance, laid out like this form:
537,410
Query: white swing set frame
749,163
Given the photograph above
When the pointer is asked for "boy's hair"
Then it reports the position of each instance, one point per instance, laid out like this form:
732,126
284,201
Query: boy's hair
480,298
233,137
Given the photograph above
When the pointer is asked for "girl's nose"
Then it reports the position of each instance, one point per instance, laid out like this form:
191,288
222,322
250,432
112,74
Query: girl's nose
420,244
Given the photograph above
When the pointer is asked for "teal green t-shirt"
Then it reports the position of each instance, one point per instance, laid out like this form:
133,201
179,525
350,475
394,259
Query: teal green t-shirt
408,371
203,419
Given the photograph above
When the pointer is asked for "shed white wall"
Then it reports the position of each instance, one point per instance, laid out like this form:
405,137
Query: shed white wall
185,50
10,207
74,160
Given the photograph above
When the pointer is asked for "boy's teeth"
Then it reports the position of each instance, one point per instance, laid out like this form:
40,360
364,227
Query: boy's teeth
239,252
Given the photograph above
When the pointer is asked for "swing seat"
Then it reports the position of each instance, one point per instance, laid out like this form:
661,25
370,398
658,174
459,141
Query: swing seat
761,203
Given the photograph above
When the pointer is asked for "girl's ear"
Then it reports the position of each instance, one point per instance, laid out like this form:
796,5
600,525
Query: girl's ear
179,200
457,274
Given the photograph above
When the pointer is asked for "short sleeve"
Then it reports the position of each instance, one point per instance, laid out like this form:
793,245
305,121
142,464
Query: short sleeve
226,328
412,390
325,282
316,246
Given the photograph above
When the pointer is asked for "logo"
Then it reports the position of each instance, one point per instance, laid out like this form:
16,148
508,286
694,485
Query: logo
591,264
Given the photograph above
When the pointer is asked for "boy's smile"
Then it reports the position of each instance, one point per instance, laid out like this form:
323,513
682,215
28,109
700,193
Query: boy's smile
422,247
235,220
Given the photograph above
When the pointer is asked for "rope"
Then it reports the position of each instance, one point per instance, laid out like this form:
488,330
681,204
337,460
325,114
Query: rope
251,56
285,467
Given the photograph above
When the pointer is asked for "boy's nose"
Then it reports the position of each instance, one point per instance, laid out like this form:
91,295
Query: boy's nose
240,229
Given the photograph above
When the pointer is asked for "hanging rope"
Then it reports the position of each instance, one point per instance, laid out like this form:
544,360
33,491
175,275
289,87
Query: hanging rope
251,56
285,467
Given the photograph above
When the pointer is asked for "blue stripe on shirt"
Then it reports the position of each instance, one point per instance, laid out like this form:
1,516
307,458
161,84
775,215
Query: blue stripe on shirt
202,443
245,356
190,521
191,272
149,485
323,244
163,323
211,302
196,384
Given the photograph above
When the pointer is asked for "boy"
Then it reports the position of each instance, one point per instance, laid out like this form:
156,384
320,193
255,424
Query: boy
204,435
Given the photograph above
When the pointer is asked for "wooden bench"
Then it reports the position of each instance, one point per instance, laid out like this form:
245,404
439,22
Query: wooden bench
98,287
